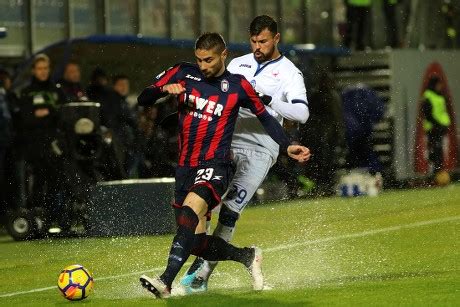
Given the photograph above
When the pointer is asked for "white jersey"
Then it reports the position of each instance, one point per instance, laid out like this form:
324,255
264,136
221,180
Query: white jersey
283,81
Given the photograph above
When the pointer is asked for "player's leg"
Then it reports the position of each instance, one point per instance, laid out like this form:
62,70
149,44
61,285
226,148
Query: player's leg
251,169
190,219
208,247
206,186
201,270
187,220
189,277
199,264
196,278
213,248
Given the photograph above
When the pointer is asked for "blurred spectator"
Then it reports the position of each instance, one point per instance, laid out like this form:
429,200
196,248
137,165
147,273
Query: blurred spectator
99,91
450,13
14,188
156,158
126,126
70,83
389,9
5,135
362,108
39,105
327,126
121,85
436,121
357,22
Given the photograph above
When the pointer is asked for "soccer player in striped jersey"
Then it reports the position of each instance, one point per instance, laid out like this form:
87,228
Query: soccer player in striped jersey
209,99
280,84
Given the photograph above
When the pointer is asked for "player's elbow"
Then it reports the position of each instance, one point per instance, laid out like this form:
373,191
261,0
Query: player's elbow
303,115
141,99
145,98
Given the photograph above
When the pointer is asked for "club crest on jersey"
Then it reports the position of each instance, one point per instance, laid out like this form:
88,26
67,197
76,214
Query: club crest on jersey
224,85
253,83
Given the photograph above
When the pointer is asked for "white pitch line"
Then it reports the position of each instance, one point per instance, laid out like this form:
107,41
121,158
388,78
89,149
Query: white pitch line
28,291
273,249
100,278
363,234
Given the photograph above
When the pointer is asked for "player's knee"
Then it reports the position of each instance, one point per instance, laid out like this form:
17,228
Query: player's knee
228,217
187,218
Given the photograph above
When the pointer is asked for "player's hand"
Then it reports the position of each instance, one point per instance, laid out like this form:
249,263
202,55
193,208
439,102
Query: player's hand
174,89
299,153
266,99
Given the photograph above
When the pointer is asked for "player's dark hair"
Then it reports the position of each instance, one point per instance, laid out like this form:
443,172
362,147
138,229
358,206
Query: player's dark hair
210,40
261,23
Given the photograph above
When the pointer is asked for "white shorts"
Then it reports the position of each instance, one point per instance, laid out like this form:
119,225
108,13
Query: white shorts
251,169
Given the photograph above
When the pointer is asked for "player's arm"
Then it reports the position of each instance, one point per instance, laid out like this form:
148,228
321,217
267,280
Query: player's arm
272,126
295,105
164,84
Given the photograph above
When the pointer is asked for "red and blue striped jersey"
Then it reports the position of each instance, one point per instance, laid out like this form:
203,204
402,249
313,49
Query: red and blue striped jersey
208,110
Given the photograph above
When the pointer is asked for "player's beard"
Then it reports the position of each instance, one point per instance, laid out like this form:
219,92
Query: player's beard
263,57
211,73
207,73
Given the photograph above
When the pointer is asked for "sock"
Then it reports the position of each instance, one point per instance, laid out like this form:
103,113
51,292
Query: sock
198,260
207,267
225,229
182,244
199,244
213,248
224,232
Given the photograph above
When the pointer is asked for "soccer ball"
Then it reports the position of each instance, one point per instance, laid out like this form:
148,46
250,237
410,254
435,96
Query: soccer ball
442,178
75,282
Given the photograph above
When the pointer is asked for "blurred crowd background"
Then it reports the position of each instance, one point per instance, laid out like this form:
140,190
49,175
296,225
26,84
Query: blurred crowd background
68,112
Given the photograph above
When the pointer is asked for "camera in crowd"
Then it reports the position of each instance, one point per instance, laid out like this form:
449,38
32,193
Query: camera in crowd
83,153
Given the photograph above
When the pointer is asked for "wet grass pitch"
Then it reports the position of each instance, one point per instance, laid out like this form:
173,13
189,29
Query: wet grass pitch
400,248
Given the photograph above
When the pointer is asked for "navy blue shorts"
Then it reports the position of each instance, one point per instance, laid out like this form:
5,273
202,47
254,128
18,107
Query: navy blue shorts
209,180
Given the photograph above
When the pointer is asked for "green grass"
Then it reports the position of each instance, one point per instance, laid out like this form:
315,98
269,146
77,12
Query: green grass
401,248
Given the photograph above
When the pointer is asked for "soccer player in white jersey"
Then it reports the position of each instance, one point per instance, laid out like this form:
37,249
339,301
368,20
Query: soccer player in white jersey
281,86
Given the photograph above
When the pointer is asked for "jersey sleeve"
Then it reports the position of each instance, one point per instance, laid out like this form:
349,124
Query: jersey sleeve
250,98
153,92
231,67
252,101
294,105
